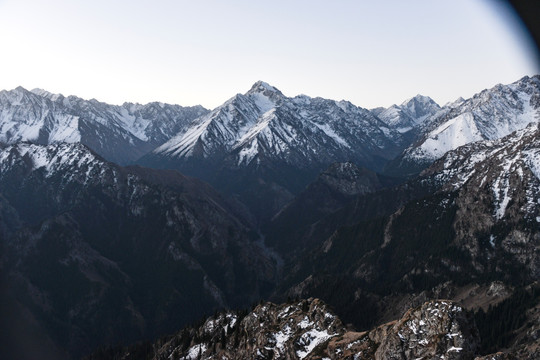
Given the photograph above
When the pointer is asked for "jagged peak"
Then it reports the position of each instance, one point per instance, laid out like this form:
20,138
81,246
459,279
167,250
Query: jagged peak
456,102
419,98
19,95
41,92
345,104
53,157
263,87
46,94
264,95
20,89
525,81
528,79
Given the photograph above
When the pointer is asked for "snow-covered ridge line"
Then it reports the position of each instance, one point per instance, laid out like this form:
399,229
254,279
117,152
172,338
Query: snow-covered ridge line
410,114
264,123
488,115
76,159
119,133
504,165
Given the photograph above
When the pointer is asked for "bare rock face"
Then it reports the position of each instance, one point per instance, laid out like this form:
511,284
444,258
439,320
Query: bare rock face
309,330
269,331
437,329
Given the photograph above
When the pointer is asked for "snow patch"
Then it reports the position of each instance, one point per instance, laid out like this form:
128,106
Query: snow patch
310,340
332,134
263,102
501,186
532,159
282,337
195,350
452,134
305,323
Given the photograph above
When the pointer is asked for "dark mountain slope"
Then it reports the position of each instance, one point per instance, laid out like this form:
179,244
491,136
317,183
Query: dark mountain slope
99,254
342,195
480,226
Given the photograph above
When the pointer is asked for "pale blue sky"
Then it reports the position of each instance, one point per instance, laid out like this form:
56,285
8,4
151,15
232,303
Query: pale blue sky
372,53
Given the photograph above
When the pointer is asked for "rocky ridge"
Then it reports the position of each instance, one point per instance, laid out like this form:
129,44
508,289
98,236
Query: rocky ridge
409,115
498,187
308,329
264,125
119,133
489,115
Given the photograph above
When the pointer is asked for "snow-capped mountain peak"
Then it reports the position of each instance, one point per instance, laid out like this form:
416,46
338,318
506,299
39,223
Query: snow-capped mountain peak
264,95
264,87
265,123
409,115
420,106
75,159
226,126
454,103
15,97
490,114
506,166
47,94
119,133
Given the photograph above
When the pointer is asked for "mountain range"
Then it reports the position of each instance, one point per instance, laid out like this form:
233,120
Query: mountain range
263,127
488,115
124,223
119,133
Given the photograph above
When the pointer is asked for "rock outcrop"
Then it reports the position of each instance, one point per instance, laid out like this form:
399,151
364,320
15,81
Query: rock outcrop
308,329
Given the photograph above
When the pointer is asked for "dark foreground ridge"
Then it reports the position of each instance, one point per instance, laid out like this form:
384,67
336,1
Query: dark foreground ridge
308,329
